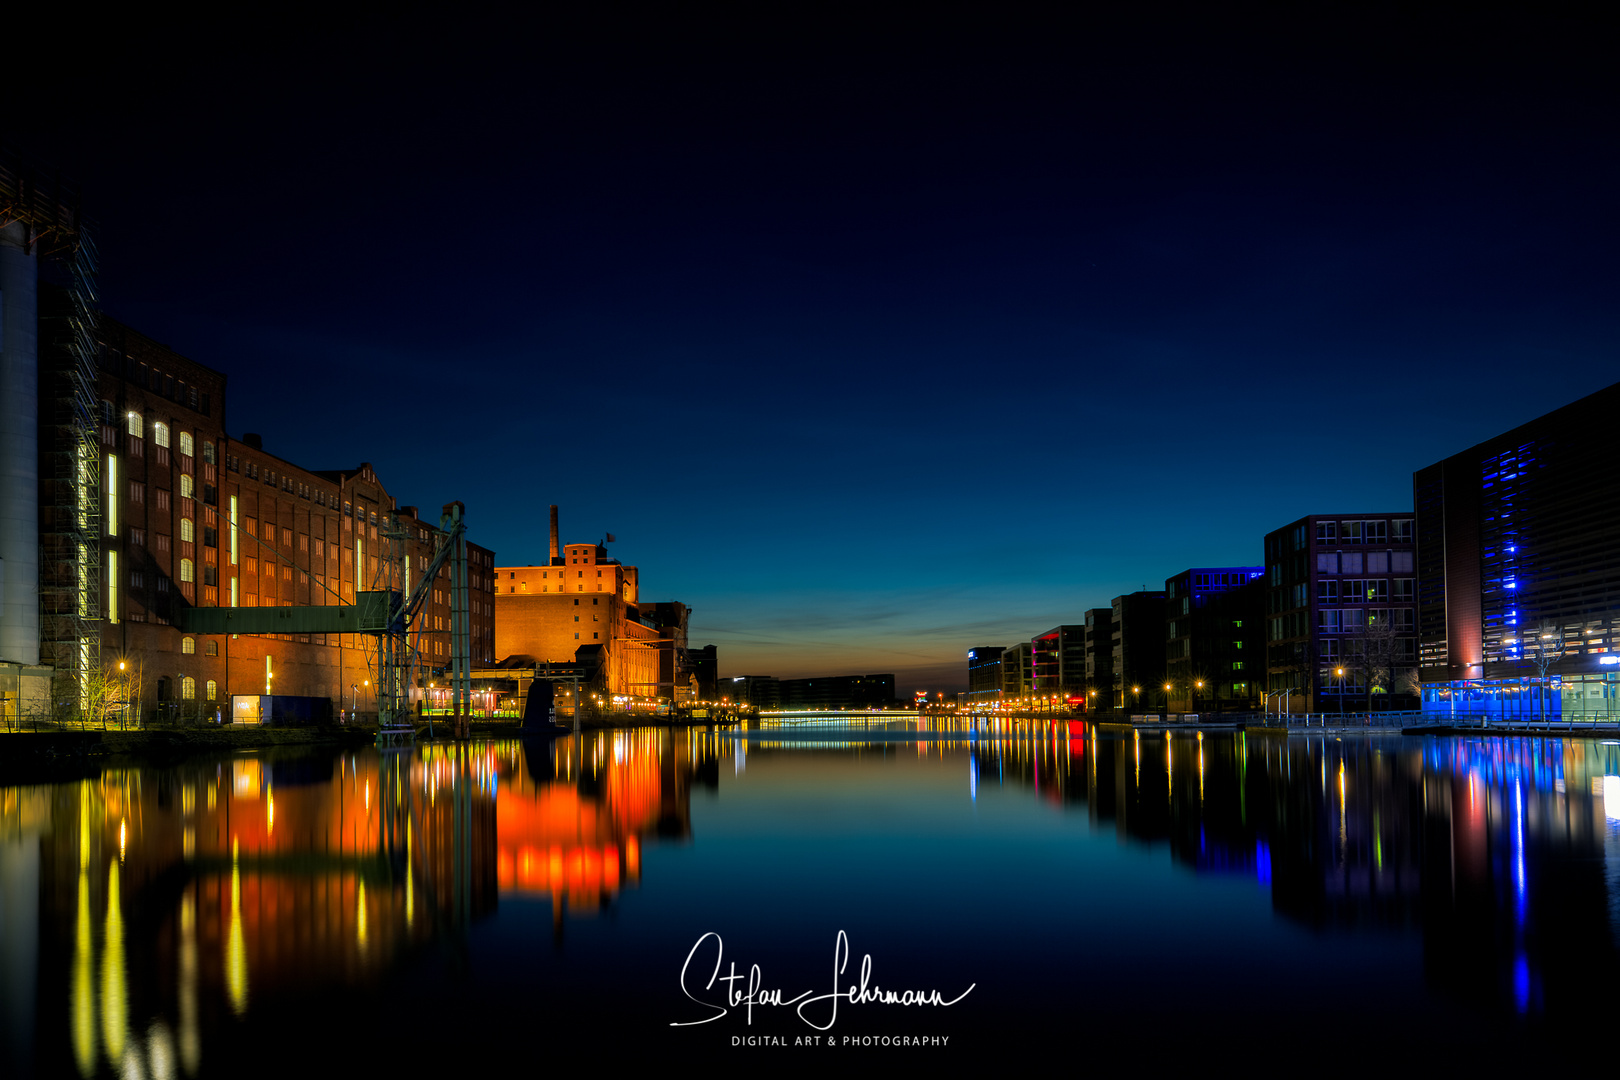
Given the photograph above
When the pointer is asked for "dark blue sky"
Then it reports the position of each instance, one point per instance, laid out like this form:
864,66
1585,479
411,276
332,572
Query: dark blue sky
871,339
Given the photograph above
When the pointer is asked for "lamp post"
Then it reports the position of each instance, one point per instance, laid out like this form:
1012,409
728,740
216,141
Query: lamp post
1167,702
1198,686
1137,690
1340,673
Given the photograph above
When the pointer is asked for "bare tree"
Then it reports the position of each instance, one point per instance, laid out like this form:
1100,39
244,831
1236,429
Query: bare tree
1373,653
1543,647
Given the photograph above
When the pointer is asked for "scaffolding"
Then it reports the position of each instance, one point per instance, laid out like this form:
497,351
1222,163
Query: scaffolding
69,449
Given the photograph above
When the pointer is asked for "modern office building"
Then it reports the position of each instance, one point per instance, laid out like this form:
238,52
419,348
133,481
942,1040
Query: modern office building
1518,542
984,674
837,692
1017,672
1341,628
1100,658
1137,629
1214,654
1058,664
760,691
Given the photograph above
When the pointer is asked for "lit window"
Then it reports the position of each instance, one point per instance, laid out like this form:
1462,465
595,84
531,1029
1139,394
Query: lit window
212,648
160,434
187,486
187,530
187,572
185,444
137,425
188,688
188,646
213,690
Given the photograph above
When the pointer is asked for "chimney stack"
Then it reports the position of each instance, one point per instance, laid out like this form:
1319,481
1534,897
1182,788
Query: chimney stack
555,552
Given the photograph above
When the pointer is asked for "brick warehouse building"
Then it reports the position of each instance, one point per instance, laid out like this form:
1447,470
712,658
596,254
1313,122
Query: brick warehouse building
582,606
194,517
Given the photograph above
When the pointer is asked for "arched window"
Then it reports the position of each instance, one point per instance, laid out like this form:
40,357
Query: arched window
188,688
212,648
160,433
188,645
188,531
186,447
213,690
186,571
137,425
187,486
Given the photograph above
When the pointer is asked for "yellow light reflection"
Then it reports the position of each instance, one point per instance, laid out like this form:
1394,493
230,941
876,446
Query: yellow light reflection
360,917
114,990
190,1036
236,973
83,1013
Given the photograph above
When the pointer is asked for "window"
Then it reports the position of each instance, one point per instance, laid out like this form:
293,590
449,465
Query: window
1377,562
160,434
213,690
1375,532
210,575
187,570
1329,622
1401,532
212,648
1400,562
186,445
187,531
163,543
136,426
576,618
208,452
188,688
188,645
210,537
1327,592
1327,532
1350,562
594,636
1404,589
137,491
162,501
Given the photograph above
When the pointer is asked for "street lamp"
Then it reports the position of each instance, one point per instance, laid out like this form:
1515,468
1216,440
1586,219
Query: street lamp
1198,686
1340,673
1167,701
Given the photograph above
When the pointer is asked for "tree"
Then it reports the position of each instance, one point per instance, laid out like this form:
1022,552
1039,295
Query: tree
1543,647
1374,652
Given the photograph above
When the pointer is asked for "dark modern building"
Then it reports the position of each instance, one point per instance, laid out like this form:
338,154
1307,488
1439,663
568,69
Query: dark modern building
1058,664
1138,639
705,669
1213,651
1518,542
1341,612
1099,658
984,674
760,691
838,692
1017,676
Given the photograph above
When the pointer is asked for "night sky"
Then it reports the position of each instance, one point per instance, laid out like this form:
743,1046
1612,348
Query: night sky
872,339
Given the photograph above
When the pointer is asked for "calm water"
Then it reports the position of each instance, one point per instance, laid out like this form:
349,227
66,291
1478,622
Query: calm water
1080,897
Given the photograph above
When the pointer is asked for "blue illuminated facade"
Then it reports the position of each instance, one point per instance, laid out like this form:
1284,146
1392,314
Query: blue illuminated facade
1519,571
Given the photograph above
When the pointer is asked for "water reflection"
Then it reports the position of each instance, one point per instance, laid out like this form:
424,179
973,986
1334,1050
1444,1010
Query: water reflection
178,905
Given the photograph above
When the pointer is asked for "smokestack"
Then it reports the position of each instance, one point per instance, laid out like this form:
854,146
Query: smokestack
554,551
